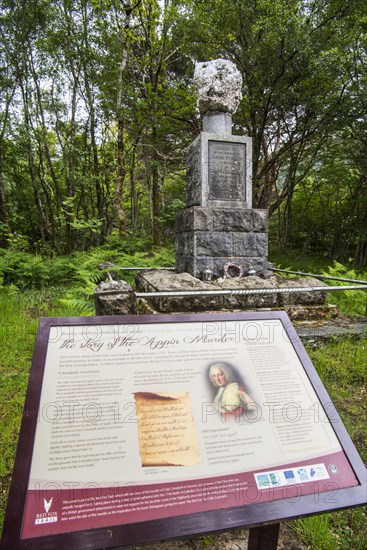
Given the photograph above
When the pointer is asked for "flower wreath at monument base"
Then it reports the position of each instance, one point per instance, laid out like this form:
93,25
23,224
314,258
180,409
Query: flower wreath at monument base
230,266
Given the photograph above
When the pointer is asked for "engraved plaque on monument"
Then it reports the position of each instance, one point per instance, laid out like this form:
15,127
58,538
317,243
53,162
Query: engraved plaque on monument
219,172
227,171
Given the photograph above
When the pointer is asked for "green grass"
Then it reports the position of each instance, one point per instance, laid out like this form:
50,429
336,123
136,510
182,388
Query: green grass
17,332
19,317
342,367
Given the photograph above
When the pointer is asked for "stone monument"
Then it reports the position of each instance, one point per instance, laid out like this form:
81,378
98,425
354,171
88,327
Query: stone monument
218,233
219,227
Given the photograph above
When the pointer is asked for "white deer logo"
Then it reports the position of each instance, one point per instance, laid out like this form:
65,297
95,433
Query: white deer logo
47,504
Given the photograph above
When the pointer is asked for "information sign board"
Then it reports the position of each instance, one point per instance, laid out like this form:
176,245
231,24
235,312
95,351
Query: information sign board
139,428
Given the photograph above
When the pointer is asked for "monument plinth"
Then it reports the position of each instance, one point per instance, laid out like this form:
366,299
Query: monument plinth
219,225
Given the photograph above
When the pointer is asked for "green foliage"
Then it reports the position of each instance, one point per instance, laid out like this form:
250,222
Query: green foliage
207,541
23,269
15,241
78,275
349,528
328,207
168,214
78,300
349,301
115,245
293,260
26,270
87,275
304,87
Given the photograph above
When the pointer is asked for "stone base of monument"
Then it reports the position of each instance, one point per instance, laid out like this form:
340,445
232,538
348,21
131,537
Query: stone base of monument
213,237
302,304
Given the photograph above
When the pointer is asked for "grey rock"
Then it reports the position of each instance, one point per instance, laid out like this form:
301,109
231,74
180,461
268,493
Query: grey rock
232,220
218,86
196,250
249,244
114,298
184,244
196,264
316,331
193,173
112,286
260,220
197,218
219,225
105,265
258,263
318,297
194,219
212,244
159,280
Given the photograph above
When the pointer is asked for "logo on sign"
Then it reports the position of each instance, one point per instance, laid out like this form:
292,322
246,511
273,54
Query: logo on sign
47,516
47,504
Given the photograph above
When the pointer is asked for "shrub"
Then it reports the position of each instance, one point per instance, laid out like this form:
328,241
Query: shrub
348,301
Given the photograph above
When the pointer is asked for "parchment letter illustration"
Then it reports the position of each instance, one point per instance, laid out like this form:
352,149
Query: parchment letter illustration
167,434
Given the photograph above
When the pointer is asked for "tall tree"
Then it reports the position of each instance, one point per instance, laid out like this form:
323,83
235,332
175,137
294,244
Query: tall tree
7,89
154,53
295,59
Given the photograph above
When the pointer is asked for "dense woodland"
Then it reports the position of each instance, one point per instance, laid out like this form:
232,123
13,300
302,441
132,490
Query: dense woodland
97,110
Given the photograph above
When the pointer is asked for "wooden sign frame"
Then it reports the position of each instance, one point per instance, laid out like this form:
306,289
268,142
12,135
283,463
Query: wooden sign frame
31,526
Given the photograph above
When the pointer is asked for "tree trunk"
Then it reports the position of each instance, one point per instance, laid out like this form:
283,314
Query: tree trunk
133,194
4,214
156,205
360,256
46,149
71,169
121,173
121,168
88,83
32,166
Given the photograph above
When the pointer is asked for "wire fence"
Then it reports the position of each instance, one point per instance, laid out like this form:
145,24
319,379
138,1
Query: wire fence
359,285
247,291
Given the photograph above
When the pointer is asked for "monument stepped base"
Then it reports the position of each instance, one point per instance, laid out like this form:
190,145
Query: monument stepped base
212,237
297,304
